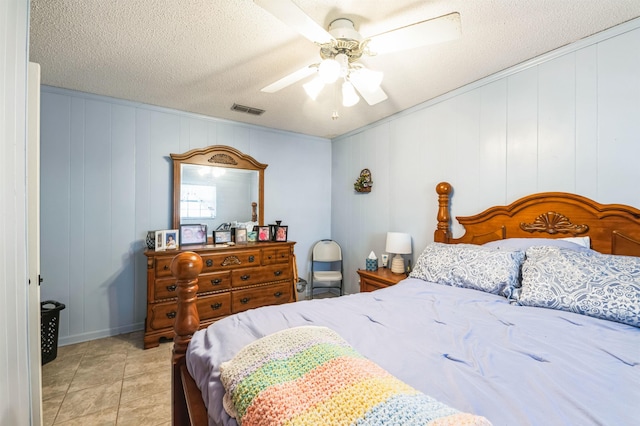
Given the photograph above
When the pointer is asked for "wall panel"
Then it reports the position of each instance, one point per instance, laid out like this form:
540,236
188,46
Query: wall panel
107,180
567,121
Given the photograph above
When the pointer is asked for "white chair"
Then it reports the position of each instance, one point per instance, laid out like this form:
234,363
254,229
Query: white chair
326,266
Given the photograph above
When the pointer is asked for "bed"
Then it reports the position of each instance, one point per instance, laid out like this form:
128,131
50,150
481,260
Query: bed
496,323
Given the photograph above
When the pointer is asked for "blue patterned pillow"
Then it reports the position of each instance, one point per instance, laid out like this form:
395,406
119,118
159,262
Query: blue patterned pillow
588,283
470,266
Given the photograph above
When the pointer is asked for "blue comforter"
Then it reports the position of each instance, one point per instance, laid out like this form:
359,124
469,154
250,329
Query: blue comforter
471,350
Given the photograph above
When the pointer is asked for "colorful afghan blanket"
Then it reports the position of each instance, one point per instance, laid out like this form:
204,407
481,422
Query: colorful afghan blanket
311,376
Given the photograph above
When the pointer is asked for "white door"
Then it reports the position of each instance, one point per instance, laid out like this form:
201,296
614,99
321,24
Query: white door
33,238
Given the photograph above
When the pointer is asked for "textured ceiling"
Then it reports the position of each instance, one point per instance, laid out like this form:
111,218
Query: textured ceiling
203,56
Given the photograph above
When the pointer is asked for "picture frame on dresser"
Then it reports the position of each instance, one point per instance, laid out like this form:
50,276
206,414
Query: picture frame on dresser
191,234
171,239
264,233
159,241
241,236
281,233
221,237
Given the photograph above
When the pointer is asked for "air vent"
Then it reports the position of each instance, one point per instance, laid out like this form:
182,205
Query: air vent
246,109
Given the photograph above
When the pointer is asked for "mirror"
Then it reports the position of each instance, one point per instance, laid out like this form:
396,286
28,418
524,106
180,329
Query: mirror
217,185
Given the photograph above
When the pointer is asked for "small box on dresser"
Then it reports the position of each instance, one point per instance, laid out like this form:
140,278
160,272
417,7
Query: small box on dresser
380,278
233,279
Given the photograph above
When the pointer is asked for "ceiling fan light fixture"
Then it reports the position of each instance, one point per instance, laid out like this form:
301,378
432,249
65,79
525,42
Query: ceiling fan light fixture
349,95
329,70
314,87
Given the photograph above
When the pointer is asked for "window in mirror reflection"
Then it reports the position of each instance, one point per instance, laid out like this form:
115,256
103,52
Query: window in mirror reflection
198,202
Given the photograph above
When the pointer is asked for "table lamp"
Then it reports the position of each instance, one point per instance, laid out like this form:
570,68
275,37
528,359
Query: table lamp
398,243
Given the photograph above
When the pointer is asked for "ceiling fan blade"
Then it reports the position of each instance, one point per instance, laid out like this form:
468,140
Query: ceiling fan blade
432,31
373,95
292,15
290,79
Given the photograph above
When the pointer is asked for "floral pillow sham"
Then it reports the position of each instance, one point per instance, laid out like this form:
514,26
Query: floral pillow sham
470,266
586,282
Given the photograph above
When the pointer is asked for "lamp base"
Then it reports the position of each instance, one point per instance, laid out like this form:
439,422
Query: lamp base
397,264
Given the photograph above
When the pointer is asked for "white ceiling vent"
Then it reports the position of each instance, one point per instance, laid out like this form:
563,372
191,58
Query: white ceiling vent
246,109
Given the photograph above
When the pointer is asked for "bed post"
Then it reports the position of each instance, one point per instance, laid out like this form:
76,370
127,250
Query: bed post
185,267
443,232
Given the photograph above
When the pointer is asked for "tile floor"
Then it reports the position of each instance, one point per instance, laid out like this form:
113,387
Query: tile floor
110,381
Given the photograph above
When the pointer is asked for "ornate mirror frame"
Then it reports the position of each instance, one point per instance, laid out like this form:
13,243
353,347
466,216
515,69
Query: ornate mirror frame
216,156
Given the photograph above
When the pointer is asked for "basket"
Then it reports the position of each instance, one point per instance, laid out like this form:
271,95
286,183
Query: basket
49,325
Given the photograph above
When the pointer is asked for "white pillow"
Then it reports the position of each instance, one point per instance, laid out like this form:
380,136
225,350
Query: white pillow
581,243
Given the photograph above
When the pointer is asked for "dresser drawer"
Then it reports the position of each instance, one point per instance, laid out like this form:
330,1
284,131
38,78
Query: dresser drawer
242,259
163,266
214,281
271,256
251,276
241,300
165,288
215,305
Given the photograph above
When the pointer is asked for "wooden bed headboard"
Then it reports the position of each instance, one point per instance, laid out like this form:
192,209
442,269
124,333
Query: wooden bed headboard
612,228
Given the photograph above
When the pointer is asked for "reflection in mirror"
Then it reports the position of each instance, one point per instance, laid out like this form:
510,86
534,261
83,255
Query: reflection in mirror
217,185
216,195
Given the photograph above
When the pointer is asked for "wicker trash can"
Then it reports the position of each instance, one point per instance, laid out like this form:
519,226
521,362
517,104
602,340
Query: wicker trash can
49,325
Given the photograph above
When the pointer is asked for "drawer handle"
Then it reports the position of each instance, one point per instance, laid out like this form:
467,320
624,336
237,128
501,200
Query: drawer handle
216,281
277,294
171,314
277,273
166,267
216,306
252,258
245,277
269,257
171,287
244,300
209,263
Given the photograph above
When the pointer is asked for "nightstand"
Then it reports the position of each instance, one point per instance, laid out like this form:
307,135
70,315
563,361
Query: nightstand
374,280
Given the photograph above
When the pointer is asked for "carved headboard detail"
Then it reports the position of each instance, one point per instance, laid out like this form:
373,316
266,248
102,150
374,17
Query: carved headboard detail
554,223
612,228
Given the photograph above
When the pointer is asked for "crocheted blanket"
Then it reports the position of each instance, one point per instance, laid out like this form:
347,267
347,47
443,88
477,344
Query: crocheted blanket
311,376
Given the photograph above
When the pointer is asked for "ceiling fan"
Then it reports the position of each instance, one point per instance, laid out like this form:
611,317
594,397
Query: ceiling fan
341,48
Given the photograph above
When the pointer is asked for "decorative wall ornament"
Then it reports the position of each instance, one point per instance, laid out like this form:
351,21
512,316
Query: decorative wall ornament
554,223
222,159
364,181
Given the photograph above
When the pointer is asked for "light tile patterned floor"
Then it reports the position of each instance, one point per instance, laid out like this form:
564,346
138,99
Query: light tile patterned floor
110,381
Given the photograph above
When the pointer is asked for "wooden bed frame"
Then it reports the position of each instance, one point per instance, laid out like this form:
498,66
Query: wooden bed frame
612,228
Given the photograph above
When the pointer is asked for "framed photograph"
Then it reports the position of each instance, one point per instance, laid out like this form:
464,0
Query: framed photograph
252,236
221,237
193,234
263,233
159,240
281,233
171,239
241,236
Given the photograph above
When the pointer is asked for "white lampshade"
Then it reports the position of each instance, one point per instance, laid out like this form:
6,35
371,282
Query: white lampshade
349,95
329,70
398,243
314,87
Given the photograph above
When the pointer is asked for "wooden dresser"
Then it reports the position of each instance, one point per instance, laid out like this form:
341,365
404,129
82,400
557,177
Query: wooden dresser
233,279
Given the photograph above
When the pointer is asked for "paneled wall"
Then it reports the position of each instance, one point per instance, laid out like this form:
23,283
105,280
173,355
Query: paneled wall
107,180
567,121
14,351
